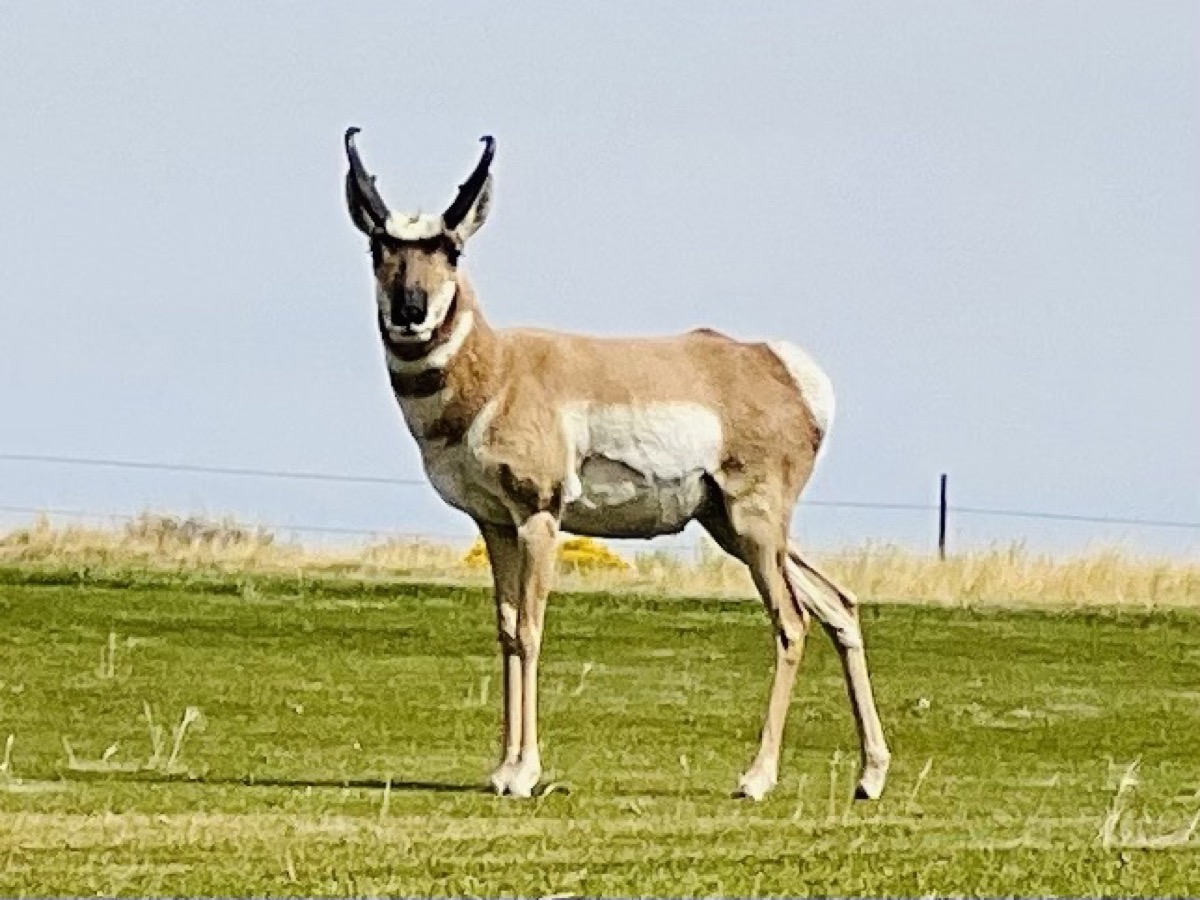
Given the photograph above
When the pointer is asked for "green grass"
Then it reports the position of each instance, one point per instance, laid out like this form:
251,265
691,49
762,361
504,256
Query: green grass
313,700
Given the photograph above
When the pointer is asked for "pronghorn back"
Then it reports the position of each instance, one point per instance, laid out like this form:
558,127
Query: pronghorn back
646,427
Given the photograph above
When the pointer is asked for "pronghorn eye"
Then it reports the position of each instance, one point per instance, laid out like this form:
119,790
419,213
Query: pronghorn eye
380,241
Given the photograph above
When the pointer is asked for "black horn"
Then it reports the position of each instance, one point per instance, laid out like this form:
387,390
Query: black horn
366,206
468,191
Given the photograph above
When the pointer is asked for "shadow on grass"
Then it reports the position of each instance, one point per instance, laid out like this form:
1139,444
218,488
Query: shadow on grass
149,777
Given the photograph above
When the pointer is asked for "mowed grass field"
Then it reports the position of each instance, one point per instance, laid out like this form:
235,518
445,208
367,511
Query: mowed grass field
339,738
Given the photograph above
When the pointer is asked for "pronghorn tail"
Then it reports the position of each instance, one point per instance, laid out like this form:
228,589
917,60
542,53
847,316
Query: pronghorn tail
832,604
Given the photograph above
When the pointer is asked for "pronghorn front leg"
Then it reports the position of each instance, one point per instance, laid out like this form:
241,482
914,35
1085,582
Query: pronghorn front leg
535,543
504,556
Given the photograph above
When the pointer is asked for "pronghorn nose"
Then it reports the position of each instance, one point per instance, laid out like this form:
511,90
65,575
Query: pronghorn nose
408,308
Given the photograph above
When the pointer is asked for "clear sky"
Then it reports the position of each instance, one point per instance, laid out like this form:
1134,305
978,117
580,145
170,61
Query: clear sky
982,218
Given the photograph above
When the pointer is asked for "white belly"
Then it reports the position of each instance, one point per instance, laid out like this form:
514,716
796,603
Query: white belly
631,471
637,471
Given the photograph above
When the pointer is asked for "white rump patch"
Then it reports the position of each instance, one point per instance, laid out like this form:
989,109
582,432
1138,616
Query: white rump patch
815,386
413,226
637,470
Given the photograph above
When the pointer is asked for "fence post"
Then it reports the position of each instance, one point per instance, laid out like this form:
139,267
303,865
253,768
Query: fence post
942,520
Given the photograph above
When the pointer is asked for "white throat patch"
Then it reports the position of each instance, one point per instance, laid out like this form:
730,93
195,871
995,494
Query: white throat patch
413,226
439,357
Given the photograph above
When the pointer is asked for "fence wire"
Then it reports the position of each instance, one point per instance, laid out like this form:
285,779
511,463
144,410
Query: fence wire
334,477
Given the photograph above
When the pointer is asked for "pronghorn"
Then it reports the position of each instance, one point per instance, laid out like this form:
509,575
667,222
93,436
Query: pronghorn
532,432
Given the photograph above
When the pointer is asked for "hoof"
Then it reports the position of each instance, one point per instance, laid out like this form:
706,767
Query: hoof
755,785
870,785
524,779
501,777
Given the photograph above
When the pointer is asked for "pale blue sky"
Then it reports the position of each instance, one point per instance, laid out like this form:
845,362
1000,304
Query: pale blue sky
983,219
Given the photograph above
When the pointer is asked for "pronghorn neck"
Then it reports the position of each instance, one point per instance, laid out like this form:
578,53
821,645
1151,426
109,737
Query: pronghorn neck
442,385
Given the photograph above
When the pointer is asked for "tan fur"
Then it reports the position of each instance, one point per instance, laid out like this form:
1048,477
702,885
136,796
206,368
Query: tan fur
771,438
520,459
695,426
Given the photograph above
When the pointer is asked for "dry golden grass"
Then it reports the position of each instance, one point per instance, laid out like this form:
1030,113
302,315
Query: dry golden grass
576,555
880,573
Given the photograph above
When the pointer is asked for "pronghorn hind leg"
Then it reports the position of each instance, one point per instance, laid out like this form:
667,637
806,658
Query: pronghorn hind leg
503,554
837,610
747,534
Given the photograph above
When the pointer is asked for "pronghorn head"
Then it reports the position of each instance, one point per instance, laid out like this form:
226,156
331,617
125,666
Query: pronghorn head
416,256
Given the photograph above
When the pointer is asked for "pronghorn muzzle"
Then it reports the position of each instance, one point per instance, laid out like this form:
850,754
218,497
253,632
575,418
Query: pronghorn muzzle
409,308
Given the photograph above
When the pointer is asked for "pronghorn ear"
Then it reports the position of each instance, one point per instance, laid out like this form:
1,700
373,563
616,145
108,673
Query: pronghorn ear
360,214
476,215
469,210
